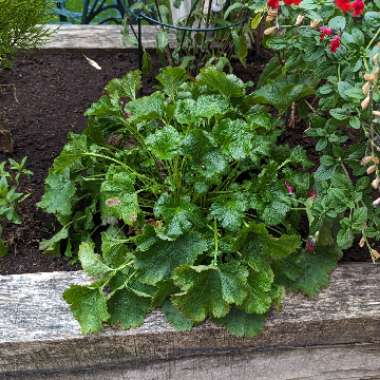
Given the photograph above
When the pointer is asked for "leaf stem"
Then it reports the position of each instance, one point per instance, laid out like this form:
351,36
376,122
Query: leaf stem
216,244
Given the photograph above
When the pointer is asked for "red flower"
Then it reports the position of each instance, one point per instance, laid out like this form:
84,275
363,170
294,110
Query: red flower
275,4
335,43
289,187
358,8
344,5
292,2
310,245
325,31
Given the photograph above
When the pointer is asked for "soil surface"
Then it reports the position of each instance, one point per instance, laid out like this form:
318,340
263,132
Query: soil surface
44,98
52,91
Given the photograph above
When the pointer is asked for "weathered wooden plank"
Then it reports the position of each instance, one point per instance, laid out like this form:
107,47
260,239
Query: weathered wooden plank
96,37
355,362
37,332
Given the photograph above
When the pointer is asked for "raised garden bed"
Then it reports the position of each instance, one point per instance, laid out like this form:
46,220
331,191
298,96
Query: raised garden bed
336,335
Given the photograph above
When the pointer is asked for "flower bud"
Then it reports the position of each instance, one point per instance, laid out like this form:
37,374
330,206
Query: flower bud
362,242
270,30
375,254
367,159
376,113
365,103
366,87
370,77
299,20
310,245
375,183
371,169
289,187
273,12
376,202
312,194
314,23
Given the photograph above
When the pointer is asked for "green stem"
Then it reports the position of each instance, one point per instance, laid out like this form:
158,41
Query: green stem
373,39
216,244
122,164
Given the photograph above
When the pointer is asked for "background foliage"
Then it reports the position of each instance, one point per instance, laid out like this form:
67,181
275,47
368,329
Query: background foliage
19,28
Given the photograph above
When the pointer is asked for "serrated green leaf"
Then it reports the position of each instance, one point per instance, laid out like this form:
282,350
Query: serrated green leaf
345,238
176,318
316,269
242,324
89,307
159,261
208,106
129,307
59,193
50,245
179,215
128,86
233,138
114,251
164,143
209,291
171,79
282,93
146,108
275,212
71,153
257,243
118,196
229,210
259,286
92,263
225,84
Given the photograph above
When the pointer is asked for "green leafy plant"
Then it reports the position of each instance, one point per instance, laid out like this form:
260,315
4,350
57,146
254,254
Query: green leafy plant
19,27
10,195
181,200
331,50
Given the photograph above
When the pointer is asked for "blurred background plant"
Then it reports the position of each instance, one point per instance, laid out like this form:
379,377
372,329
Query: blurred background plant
20,28
10,195
205,31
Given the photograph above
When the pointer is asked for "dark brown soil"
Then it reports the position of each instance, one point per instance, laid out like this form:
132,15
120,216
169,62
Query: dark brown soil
53,91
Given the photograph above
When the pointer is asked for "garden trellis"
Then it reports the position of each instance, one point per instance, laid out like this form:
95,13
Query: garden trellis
140,13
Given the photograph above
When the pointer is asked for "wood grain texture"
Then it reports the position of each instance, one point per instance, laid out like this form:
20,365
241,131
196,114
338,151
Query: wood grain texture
357,362
86,37
38,333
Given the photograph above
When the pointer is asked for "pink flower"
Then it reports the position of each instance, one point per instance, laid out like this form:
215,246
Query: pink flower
310,245
289,187
312,194
358,8
325,31
335,43
275,4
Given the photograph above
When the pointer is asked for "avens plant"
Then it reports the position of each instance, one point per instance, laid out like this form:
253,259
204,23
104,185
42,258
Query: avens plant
182,200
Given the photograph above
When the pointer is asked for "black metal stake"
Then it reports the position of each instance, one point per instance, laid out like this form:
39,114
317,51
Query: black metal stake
140,47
